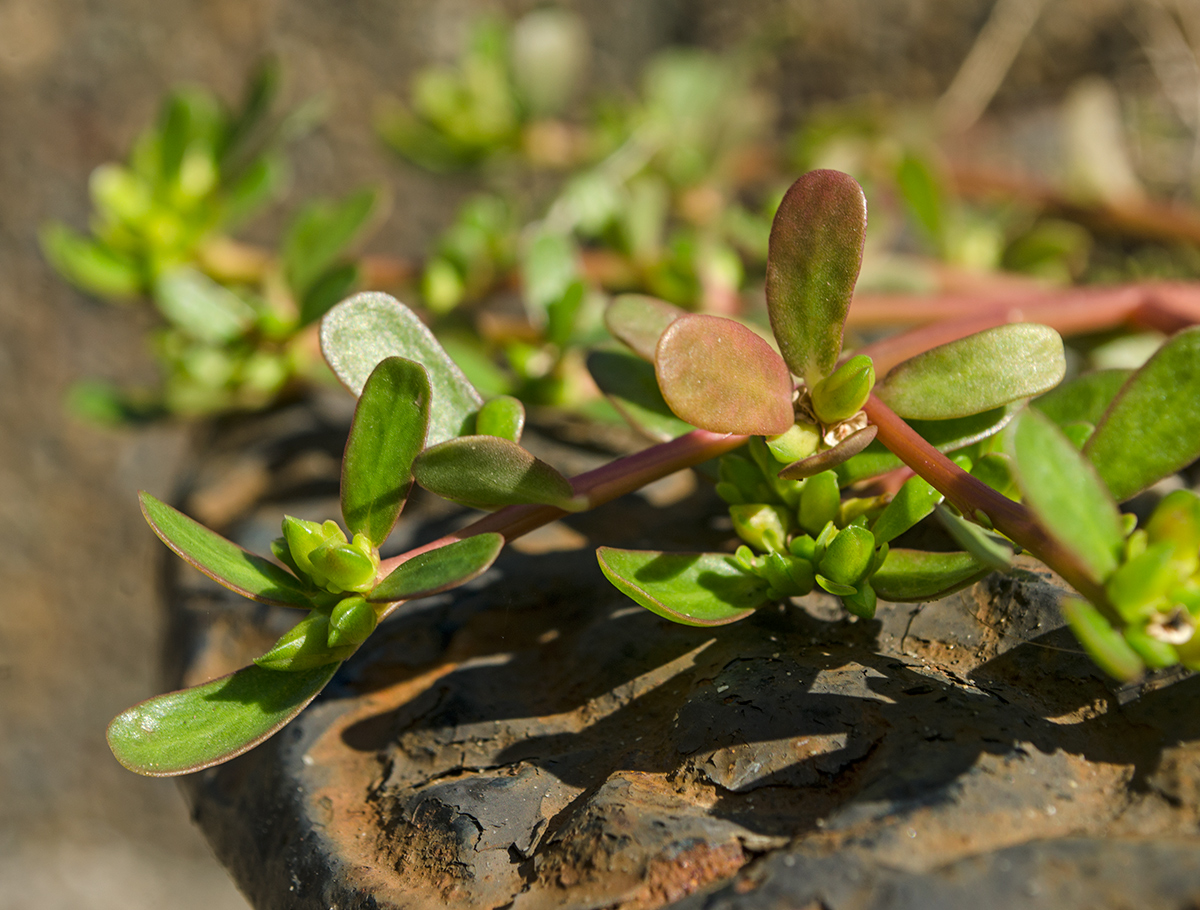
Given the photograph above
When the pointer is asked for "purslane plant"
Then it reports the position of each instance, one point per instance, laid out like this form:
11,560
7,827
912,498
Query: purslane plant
1043,479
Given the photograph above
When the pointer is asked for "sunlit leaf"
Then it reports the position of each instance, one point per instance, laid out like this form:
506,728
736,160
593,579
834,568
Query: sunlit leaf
502,416
632,387
912,576
439,570
1065,492
359,332
990,549
696,589
1104,644
718,375
201,307
222,560
815,254
639,321
830,458
976,373
913,502
304,647
1083,399
388,431
1151,429
202,726
90,265
487,472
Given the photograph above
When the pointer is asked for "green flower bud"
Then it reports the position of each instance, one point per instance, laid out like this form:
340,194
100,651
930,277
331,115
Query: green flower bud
304,646
862,602
762,526
1139,587
352,620
820,501
302,538
800,441
345,567
848,557
1176,520
842,394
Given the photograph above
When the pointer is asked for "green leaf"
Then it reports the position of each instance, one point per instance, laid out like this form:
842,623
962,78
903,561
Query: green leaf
1083,399
924,196
389,428
1151,429
812,265
976,373
912,576
718,375
913,501
320,233
1104,644
201,307
359,332
943,435
830,458
487,472
990,549
90,265
549,266
327,290
502,416
440,570
696,589
196,728
1065,492
639,321
632,387
304,647
222,560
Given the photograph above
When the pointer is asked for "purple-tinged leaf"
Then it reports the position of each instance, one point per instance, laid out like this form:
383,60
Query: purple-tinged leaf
718,375
1151,429
813,261
195,728
639,321
1064,491
830,458
360,332
439,570
388,432
976,373
222,560
695,589
487,472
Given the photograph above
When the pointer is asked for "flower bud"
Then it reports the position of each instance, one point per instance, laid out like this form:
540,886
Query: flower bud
842,394
762,526
345,567
304,646
302,538
352,620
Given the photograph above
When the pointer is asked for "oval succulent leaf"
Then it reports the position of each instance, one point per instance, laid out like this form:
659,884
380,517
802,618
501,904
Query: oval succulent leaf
195,728
913,502
630,384
502,416
976,373
1083,399
814,257
440,570
1065,492
363,330
639,321
305,646
695,589
1151,430
487,472
830,458
718,375
914,576
222,560
389,428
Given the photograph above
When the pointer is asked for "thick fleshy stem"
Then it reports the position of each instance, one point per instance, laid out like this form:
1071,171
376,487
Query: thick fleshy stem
974,499
604,484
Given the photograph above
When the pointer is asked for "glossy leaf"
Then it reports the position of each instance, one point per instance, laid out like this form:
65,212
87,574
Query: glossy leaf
831,458
630,384
440,570
913,502
222,560
360,332
487,472
196,728
389,428
912,576
1151,429
305,646
502,416
943,435
977,373
1065,492
718,375
695,589
814,257
639,321
1083,399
